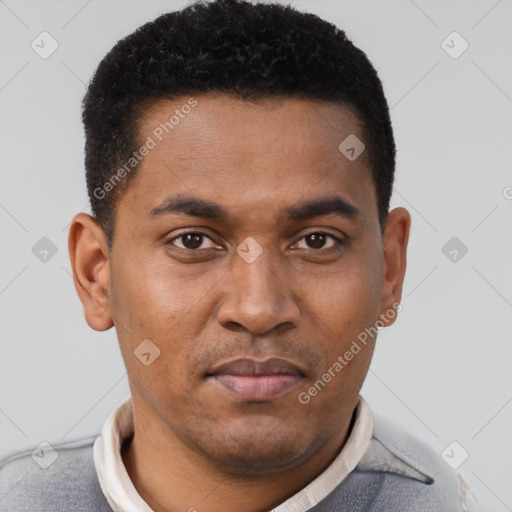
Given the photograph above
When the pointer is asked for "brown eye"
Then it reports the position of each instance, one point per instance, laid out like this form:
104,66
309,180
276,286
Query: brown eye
317,241
190,241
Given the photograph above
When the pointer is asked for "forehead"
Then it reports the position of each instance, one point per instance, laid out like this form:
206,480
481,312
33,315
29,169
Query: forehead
212,119
228,149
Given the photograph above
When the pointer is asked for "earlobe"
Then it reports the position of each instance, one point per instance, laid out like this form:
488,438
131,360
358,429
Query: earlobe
91,272
396,238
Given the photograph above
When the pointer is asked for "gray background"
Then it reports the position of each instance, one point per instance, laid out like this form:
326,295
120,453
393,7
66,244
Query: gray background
442,371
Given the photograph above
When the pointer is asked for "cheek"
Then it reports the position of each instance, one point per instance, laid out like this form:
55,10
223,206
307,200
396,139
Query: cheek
149,296
345,306
342,311
348,299
151,300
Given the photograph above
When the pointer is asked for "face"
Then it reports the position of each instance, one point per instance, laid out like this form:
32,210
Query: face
248,250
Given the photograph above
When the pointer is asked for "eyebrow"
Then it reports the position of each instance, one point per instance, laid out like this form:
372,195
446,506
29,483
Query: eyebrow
204,209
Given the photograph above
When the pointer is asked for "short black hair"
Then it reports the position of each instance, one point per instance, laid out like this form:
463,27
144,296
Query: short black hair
248,50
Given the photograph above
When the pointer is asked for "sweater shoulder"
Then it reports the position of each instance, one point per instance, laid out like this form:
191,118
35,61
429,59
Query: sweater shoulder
413,475
52,477
399,472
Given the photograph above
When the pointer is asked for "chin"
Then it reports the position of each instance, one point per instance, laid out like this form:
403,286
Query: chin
248,450
255,462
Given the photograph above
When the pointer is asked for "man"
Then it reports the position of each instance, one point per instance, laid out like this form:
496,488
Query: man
239,162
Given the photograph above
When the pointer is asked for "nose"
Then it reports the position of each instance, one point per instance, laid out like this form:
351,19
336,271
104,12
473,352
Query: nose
258,296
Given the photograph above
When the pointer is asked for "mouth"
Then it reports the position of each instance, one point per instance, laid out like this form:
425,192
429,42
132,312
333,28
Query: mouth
257,381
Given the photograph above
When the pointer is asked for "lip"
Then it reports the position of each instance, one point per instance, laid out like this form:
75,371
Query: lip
258,381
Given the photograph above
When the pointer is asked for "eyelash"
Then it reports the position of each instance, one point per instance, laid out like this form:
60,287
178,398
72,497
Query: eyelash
338,245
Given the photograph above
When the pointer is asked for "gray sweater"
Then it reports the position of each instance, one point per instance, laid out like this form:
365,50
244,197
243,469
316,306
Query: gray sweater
397,473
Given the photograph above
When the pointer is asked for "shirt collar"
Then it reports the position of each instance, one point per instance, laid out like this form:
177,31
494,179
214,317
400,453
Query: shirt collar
123,497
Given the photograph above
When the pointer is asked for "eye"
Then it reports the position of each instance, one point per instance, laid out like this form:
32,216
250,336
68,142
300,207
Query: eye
190,240
317,239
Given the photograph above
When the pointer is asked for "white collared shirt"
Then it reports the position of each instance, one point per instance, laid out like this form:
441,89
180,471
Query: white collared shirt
123,497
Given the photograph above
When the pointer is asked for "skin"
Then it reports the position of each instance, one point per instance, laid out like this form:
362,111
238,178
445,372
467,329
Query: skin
196,443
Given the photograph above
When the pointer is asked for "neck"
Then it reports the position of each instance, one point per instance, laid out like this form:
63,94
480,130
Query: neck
172,477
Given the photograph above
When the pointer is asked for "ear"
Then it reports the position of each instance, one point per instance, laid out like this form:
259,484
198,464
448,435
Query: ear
396,237
88,253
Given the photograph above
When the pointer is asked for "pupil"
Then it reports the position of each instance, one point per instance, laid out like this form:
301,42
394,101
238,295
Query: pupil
317,238
195,243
